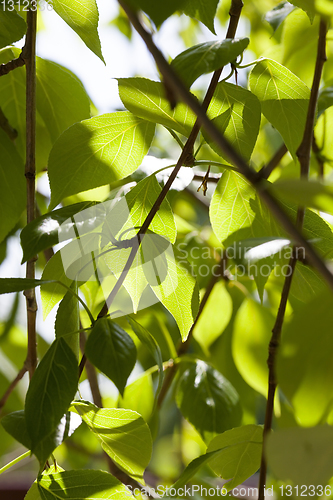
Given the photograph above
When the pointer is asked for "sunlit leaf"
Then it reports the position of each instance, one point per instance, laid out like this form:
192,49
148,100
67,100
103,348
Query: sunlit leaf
124,436
139,396
96,152
67,321
307,5
202,10
13,26
277,15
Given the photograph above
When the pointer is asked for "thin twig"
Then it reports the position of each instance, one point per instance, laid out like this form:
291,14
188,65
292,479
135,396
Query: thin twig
251,175
15,63
303,154
212,178
30,174
266,170
184,346
12,386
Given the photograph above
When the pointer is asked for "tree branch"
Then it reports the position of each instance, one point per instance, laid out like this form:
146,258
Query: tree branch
30,174
266,170
15,63
303,154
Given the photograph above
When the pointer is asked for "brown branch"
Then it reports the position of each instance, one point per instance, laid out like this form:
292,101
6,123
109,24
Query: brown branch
303,154
15,63
212,178
30,174
184,346
251,175
266,170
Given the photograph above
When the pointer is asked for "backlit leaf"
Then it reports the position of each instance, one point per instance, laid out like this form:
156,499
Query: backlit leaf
157,10
277,15
67,321
96,152
202,10
13,26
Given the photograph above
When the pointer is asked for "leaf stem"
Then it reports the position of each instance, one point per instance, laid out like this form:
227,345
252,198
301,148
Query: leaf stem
175,136
15,461
303,154
30,174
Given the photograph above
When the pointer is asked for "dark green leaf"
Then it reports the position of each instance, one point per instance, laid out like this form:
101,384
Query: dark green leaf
203,10
277,15
12,185
67,321
307,5
15,424
43,232
325,99
112,351
81,485
146,98
97,152
236,112
13,27
207,57
157,10
82,17
239,456
284,100
52,291
50,393
61,97
10,285
304,367
193,467
124,436
146,338
208,400
301,456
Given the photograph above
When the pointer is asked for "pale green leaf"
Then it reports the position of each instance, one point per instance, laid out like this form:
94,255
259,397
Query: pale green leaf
139,396
239,456
13,26
82,17
12,185
313,193
124,436
68,321
307,5
207,57
96,152
284,100
236,112
112,351
277,15
146,98
215,316
251,336
202,10
304,367
52,293
208,400
301,456
80,485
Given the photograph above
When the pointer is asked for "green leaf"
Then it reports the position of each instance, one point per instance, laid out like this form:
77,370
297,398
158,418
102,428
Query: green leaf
15,424
124,436
112,351
301,456
68,321
43,232
304,367
157,10
146,338
236,112
82,17
139,396
202,10
50,393
81,485
325,99
207,400
12,185
146,98
214,318
10,285
239,456
13,27
313,194
192,468
307,5
179,291
207,57
61,97
251,336
96,152
277,15
284,100
51,291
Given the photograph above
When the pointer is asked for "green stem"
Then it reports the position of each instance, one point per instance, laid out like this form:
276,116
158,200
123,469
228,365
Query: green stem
15,461
175,136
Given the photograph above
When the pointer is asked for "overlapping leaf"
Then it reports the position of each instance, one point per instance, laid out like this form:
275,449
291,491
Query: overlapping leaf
96,152
202,10
124,436
147,99
13,26
157,10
